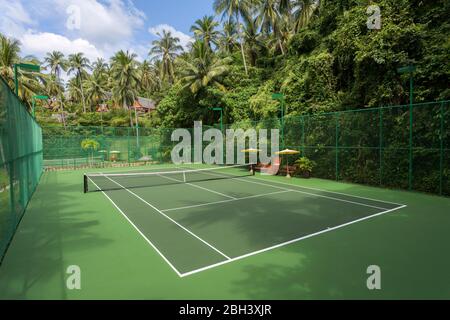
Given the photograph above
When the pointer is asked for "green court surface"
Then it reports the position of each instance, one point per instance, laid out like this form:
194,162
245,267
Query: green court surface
244,237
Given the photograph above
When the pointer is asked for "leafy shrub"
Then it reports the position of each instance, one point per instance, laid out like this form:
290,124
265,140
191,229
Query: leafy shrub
305,167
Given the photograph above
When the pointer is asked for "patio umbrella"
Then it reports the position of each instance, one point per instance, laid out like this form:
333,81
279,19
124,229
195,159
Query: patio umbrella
287,152
104,152
145,159
114,155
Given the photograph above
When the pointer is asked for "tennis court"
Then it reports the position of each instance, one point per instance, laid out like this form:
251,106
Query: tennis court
198,218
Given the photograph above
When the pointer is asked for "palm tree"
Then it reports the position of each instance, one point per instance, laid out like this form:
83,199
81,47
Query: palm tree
57,63
285,7
74,92
95,89
253,41
227,40
234,9
100,66
204,29
273,23
9,55
78,64
55,88
303,12
204,69
269,15
148,77
166,49
125,75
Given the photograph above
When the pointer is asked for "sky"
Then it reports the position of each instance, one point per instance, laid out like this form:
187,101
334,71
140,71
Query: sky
98,28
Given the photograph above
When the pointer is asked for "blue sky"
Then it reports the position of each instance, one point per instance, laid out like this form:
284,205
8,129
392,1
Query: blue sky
97,28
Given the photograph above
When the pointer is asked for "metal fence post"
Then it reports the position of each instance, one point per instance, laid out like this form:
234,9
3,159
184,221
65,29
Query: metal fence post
337,147
441,154
381,153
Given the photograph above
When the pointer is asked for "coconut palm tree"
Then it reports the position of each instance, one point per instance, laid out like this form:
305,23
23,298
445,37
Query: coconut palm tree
73,90
285,7
254,41
228,36
303,12
148,77
204,29
9,55
55,88
95,88
234,9
166,49
269,14
125,76
78,64
57,63
100,66
274,23
203,69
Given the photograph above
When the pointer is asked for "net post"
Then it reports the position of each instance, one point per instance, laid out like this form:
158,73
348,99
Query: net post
85,183
441,147
381,153
337,146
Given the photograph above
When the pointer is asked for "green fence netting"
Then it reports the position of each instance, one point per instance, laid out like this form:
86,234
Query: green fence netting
400,147
403,147
21,158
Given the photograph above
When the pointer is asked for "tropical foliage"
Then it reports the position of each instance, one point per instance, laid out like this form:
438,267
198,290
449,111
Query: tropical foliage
320,54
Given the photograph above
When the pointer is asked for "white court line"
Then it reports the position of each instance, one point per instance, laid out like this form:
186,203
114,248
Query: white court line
162,213
308,193
194,185
335,192
269,248
327,191
225,201
139,231
286,243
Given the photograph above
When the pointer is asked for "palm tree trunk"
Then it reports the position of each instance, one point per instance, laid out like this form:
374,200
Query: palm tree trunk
281,47
82,95
62,111
129,112
241,42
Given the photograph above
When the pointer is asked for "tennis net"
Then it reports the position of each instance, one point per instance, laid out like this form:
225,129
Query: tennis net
117,181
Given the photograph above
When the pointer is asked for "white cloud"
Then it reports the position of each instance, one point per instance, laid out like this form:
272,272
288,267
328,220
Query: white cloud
185,39
42,42
14,18
107,23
